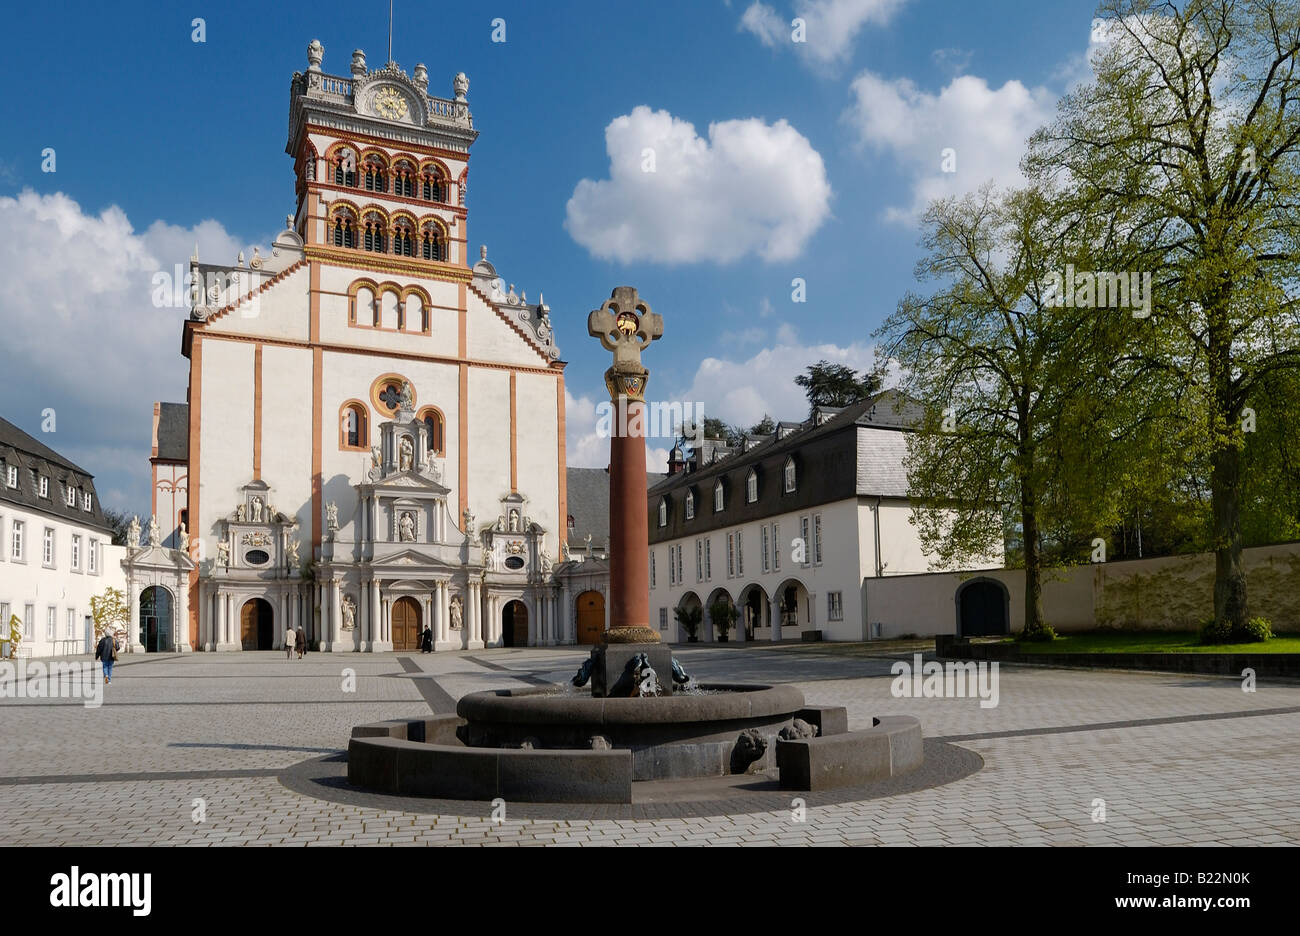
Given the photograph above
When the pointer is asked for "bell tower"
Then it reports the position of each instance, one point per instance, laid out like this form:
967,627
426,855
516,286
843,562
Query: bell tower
380,164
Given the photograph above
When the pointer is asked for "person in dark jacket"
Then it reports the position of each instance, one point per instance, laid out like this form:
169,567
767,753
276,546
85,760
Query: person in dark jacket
301,643
426,640
106,653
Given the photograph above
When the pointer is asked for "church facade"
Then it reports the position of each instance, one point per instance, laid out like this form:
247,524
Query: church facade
373,440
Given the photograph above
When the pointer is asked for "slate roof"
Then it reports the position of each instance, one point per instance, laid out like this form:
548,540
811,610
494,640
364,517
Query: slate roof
34,459
174,431
588,499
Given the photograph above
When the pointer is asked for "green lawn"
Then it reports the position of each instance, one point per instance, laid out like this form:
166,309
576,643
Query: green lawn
1154,642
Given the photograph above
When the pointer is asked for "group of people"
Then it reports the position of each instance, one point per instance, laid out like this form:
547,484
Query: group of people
295,641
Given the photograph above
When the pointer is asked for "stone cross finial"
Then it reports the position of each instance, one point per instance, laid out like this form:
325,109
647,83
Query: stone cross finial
625,325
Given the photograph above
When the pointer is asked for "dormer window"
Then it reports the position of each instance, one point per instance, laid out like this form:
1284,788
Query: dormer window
85,501
44,486
13,476
690,505
663,511
751,487
719,498
70,497
789,476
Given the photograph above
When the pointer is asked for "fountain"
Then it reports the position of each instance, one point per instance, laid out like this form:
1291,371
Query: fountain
555,746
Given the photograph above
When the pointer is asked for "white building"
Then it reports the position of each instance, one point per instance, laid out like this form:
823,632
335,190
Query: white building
788,528
359,395
55,547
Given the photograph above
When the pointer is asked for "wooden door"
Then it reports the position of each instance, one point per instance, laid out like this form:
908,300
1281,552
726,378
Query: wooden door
406,624
591,617
248,626
514,630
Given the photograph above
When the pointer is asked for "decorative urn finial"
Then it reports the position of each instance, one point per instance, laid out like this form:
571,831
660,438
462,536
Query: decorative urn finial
315,55
421,77
358,62
460,86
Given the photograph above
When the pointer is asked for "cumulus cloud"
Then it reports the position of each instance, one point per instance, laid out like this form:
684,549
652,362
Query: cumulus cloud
830,26
985,128
673,196
82,334
586,446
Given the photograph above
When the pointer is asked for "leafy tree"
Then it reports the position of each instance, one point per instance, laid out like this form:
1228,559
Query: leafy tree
715,428
765,426
827,384
1008,381
111,611
118,521
1187,142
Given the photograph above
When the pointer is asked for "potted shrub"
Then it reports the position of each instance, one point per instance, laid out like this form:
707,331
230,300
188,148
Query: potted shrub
689,621
723,614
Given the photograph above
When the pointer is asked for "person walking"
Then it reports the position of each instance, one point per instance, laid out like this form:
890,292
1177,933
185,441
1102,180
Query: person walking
106,653
426,640
300,643
290,643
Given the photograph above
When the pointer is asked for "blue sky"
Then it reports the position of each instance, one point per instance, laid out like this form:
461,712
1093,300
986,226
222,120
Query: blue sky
161,141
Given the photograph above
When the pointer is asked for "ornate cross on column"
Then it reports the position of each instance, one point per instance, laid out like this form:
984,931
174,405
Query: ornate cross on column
625,325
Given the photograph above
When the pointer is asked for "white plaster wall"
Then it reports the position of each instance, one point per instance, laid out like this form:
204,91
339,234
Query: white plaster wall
489,338
170,497
287,432
539,471
31,582
280,311
226,433
489,442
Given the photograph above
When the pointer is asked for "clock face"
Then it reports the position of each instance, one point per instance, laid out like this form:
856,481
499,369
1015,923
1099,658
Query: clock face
390,103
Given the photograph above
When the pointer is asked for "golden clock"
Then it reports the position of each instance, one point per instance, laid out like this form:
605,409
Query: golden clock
390,103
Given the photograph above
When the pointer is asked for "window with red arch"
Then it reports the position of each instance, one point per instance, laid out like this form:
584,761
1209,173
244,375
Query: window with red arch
354,429
433,420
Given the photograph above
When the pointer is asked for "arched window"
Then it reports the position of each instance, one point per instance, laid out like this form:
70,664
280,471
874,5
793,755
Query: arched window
431,246
376,175
789,475
403,240
345,230
690,505
751,487
374,235
433,188
434,423
353,429
403,180
663,511
345,168
719,497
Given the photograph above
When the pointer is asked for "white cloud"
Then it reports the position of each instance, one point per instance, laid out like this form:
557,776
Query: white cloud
82,335
586,447
742,391
985,127
751,187
830,26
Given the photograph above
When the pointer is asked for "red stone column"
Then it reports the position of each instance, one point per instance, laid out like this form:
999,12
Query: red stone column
629,529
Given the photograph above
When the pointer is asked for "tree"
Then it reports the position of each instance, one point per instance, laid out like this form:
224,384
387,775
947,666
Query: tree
1009,384
715,428
827,384
765,426
118,521
111,611
1189,139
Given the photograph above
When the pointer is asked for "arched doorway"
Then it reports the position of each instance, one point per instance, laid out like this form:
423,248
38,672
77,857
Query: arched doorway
514,624
406,624
751,611
791,612
982,609
591,617
156,619
255,625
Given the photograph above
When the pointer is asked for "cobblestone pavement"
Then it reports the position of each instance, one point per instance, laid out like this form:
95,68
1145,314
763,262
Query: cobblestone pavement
1176,759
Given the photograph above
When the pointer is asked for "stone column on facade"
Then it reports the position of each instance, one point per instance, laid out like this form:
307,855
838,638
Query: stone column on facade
566,613
473,618
442,613
493,638
182,628
377,640
770,619
133,626
339,638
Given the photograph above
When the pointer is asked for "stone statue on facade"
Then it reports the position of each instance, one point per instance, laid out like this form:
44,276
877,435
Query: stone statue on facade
155,534
456,612
514,520
406,528
406,398
331,516
223,553
406,454
291,550
133,534
467,518
241,513
257,510
185,539
349,608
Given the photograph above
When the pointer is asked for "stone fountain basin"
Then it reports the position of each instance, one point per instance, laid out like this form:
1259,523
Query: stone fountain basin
685,735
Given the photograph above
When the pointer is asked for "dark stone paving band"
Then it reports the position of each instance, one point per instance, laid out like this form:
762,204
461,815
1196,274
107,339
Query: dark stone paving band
149,776
1109,726
439,702
325,778
513,674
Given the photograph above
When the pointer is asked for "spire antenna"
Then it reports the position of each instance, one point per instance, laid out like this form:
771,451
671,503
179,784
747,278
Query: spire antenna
390,30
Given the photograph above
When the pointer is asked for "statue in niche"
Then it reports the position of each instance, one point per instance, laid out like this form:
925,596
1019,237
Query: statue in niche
185,539
349,608
155,535
257,510
223,553
406,454
291,549
241,513
332,516
514,520
489,560
545,563
406,528
456,612
133,533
